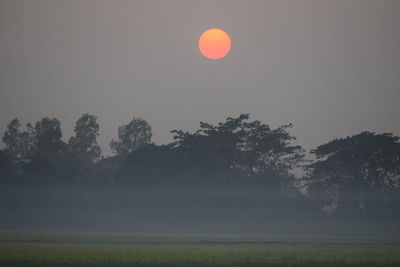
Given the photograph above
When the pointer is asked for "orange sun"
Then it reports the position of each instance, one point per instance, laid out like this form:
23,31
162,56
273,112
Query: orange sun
214,44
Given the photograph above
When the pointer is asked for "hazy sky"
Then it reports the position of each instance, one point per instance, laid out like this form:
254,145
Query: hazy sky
330,67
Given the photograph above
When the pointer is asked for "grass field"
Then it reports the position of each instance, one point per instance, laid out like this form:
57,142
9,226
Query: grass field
105,249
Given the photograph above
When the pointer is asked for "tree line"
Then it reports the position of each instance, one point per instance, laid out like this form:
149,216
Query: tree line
347,174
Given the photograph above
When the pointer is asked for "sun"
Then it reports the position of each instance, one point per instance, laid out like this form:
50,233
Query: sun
214,44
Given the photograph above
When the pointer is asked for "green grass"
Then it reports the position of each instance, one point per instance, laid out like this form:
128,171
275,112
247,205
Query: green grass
101,249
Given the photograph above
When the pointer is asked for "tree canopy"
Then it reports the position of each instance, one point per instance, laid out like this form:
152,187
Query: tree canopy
347,174
19,144
136,134
353,167
83,145
245,149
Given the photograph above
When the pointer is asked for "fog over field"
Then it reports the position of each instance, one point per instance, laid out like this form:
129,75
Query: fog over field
179,211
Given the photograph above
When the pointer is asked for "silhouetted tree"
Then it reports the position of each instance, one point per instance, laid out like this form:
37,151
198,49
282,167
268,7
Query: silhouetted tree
136,134
83,145
247,151
48,136
232,153
19,144
11,138
52,163
350,170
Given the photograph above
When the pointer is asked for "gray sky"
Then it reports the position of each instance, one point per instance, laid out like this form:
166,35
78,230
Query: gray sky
330,67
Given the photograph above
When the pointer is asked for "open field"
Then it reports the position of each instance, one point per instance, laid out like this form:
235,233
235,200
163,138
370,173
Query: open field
103,249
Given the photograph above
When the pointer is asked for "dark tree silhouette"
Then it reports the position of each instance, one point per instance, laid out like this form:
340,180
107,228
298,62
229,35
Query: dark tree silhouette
249,152
136,134
48,136
83,145
11,138
349,170
49,162
19,144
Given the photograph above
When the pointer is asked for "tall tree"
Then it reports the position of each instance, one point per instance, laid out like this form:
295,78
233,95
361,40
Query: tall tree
136,134
11,139
28,142
350,169
19,144
48,136
246,150
84,144
51,163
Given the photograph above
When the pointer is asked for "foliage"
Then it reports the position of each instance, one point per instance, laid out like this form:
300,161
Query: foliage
48,138
136,134
349,174
84,145
350,169
19,144
245,150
